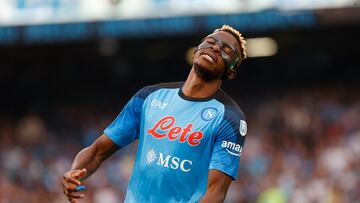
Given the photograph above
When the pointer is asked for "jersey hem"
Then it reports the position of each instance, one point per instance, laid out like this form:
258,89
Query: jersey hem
112,139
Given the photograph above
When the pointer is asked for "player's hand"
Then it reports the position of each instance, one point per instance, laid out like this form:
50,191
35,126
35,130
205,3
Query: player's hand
71,180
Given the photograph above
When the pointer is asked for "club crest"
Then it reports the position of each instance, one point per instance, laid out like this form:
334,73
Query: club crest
209,113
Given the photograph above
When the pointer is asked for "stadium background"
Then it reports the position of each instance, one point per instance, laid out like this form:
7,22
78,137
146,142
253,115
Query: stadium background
68,67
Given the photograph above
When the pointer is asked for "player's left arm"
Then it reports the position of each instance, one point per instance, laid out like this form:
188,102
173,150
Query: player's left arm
225,158
218,185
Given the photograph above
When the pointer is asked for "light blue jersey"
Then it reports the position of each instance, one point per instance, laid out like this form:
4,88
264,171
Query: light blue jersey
180,139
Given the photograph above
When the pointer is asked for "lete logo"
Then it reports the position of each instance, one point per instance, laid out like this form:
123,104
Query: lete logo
164,128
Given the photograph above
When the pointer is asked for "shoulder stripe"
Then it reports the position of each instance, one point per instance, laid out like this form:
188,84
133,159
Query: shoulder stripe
231,107
146,91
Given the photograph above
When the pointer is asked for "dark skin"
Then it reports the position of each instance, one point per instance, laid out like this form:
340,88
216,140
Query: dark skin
205,60
86,163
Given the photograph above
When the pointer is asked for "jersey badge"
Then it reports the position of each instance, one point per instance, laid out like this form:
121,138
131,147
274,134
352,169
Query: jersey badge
209,113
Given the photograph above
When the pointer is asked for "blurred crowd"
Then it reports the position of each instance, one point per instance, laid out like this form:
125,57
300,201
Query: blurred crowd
303,146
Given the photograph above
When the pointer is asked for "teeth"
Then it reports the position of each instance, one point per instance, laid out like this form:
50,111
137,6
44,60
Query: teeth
208,57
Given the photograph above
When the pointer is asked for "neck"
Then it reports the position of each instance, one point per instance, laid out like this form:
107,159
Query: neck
196,87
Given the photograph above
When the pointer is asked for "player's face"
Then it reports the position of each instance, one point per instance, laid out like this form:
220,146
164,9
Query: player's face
208,60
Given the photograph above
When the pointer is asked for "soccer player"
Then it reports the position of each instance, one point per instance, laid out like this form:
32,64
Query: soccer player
191,134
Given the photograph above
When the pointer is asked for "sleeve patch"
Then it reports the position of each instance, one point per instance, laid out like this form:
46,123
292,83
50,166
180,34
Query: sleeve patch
243,128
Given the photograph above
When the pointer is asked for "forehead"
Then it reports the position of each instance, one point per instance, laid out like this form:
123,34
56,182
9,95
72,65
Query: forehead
227,38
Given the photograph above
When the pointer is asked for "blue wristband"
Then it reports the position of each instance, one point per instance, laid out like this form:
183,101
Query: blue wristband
80,188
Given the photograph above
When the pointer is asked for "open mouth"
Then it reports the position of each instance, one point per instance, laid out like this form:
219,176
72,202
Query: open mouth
209,57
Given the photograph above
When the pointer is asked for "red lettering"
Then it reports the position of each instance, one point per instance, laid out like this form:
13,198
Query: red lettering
162,125
185,132
175,130
195,137
166,123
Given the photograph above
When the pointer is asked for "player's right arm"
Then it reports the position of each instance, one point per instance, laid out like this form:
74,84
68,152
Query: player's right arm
86,163
121,132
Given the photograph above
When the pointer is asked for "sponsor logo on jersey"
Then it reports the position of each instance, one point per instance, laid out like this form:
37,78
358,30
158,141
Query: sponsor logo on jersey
232,148
243,128
209,113
168,161
158,104
165,128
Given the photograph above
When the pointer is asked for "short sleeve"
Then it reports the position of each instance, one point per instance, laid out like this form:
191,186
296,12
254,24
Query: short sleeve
125,128
229,142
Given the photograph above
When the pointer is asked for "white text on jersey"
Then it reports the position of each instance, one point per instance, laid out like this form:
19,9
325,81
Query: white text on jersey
176,162
232,148
158,104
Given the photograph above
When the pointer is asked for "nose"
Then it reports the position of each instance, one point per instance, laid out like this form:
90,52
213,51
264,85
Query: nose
216,47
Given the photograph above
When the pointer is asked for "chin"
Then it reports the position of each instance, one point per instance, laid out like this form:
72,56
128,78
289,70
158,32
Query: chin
203,65
206,72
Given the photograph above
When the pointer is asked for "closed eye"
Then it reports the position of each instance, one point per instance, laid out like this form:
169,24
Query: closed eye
228,50
210,40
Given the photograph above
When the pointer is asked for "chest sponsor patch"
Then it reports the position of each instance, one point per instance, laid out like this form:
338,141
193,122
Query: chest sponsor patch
167,161
165,128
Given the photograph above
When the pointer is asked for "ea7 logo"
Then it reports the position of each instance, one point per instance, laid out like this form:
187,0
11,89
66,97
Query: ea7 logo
232,148
158,104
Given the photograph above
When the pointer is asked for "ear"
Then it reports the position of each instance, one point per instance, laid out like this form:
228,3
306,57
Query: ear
231,74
